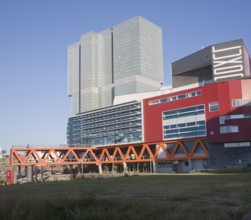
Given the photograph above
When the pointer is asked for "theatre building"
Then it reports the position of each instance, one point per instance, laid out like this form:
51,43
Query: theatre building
206,114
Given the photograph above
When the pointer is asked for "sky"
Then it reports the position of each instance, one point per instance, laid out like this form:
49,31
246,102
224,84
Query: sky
35,35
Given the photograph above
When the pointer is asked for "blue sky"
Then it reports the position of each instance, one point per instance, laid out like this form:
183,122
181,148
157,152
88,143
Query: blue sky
34,36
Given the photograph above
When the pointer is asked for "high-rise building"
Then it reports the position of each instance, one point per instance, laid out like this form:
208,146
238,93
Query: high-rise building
125,59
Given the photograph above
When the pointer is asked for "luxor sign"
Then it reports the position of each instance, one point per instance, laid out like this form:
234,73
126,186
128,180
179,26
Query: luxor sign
227,62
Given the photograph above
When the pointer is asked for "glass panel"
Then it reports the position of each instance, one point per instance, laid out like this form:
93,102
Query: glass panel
189,145
233,129
199,93
213,106
163,100
200,122
199,149
223,129
180,150
182,125
170,147
183,96
190,123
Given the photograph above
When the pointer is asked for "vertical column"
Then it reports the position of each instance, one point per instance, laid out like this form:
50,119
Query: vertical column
36,180
29,173
154,166
26,171
100,169
125,167
79,168
17,174
190,165
41,173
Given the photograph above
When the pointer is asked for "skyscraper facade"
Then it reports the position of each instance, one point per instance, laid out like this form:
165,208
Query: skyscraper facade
125,59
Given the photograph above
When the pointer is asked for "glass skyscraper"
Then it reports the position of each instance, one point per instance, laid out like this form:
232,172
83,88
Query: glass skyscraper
125,59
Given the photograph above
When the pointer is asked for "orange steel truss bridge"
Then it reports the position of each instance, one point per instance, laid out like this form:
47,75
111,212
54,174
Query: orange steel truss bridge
189,149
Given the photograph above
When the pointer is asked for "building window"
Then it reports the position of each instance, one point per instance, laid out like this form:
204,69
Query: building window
174,98
229,129
241,102
237,144
233,129
224,129
183,96
154,102
213,106
184,123
222,119
163,100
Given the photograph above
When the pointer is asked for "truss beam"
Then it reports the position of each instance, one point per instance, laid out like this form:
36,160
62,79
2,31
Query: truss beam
190,149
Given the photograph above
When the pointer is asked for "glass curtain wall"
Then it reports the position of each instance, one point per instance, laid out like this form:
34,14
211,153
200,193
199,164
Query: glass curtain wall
112,125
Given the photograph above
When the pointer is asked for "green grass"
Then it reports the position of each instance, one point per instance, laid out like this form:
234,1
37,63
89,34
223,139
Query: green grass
197,196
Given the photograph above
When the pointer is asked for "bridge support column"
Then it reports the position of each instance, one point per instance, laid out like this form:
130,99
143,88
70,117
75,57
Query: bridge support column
19,171
125,166
35,173
26,171
100,169
154,167
42,174
190,165
29,171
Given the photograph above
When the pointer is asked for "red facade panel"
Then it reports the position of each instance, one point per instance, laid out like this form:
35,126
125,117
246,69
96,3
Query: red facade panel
224,93
153,128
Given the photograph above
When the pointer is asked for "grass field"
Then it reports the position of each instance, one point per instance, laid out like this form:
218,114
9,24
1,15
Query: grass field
190,196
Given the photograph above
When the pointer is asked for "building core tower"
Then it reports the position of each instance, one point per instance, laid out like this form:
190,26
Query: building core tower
125,59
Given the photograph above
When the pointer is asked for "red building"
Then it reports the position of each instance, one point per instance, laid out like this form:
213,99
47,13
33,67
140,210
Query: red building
211,99
227,111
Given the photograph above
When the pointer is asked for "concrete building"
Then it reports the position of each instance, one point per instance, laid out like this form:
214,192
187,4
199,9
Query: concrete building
125,59
215,63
